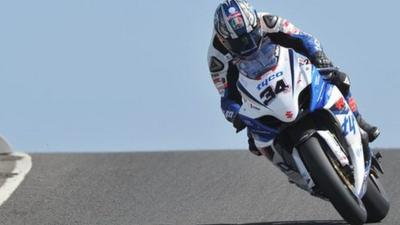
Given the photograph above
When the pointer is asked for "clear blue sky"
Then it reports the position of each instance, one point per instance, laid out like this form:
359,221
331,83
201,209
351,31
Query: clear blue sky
122,75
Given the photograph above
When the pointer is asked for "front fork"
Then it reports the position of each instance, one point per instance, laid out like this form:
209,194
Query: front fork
373,160
366,148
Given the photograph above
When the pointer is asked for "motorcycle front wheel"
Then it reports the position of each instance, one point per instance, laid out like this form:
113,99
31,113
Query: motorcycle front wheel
375,200
329,183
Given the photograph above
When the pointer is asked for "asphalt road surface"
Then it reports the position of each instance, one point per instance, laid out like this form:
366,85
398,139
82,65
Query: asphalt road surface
199,188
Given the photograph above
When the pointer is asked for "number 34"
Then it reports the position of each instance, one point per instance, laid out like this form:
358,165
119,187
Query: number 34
269,94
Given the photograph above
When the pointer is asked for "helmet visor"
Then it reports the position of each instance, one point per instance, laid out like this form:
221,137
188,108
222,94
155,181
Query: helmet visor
246,44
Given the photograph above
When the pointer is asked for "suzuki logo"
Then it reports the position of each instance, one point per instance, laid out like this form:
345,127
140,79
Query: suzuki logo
289,114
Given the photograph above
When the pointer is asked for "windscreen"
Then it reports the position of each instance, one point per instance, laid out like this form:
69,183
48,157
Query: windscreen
260,62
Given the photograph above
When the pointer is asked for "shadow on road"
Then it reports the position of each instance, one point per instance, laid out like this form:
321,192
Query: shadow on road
325,222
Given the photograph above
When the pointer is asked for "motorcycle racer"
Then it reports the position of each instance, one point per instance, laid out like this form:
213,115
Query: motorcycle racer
239,33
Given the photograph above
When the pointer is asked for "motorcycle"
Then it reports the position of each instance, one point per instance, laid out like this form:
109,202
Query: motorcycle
304,125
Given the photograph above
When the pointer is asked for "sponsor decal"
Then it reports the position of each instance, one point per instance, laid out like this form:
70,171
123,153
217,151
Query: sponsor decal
221,90
289,114
217,80
339,108
348,125
290,28
236,22
220,80
353,104
303,61
340,104
216,65
220,83
269,93
286,23
235,18
294,30
232,10
269,79
254,107
229,114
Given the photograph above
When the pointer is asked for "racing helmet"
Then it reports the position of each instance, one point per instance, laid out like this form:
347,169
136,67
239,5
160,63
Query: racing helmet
238,27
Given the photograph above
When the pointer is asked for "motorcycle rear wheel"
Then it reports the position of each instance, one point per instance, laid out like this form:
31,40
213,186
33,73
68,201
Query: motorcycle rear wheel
329,182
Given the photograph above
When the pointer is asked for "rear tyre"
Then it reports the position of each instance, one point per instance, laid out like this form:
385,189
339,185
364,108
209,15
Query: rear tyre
375,201
329,182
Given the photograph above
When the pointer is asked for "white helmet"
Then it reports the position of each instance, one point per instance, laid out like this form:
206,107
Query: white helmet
238,27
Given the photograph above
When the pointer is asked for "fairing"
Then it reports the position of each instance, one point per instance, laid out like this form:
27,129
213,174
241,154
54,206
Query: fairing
255,95
292,74
289,77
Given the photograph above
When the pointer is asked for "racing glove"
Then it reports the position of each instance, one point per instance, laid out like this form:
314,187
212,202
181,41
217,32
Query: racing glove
238,124
320,60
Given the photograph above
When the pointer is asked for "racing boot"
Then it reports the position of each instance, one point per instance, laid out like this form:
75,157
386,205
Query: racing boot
372,131
239,125
369,154
252,145
367,151
342,81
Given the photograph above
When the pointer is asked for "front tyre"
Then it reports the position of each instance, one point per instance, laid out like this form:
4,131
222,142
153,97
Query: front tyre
329,182
375,200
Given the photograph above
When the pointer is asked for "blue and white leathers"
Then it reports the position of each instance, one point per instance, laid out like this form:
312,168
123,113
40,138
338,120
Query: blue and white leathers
275,93
220,60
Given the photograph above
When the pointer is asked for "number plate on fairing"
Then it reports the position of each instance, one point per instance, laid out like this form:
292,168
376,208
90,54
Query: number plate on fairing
276,91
